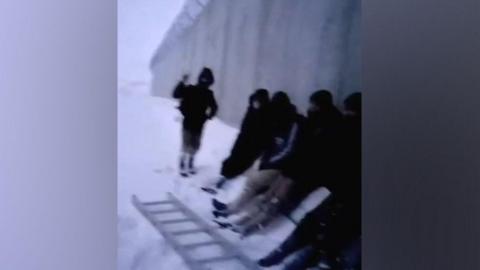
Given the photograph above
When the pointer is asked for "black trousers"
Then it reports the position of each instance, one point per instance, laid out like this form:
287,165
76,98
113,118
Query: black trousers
327,231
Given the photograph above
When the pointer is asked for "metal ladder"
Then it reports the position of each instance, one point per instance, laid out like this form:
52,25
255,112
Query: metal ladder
231,252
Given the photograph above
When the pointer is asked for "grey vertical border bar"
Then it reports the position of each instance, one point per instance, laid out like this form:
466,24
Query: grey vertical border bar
58,135
421,134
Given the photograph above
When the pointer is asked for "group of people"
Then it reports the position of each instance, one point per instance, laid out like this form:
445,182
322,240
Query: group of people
285,156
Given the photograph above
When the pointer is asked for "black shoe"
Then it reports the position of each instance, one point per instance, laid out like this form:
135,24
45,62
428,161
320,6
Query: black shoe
183,169
209,190
191,167
219,205
221,183
275,257
219,214
223,225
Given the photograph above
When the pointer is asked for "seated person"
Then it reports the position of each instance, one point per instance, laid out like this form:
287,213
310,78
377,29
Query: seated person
250,140
285,126
334,225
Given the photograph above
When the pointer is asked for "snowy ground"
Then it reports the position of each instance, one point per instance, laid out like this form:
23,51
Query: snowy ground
148,146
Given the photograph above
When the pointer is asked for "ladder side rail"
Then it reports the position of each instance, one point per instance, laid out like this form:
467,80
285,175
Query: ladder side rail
168,237
230,248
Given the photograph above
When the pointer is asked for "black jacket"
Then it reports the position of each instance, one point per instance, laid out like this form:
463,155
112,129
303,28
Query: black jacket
346,185
250,142
197,104
283,141
314,161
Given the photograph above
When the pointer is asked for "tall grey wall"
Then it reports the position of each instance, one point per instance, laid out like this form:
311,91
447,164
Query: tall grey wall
296,46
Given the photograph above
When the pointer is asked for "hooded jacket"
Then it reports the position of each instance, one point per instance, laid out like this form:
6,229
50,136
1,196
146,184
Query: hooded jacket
286,128
197,102
251,139
317,157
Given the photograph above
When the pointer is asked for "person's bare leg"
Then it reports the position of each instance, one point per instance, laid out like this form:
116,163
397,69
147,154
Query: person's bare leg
254,208
270,207
256,222
252,186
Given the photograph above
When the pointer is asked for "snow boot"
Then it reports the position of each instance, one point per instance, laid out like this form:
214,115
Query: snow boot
183,169
219,214
223,225
191,167
219,205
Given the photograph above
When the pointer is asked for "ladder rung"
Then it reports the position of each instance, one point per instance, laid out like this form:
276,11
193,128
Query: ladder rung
231,252
190,231
157,202
217,259
171,221
157,212
201,244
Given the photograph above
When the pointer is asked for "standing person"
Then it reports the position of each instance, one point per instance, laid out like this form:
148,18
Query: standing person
250,140
197,105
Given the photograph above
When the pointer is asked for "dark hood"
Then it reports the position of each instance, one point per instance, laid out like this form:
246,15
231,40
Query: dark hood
260,95
282,112
206,77
353,103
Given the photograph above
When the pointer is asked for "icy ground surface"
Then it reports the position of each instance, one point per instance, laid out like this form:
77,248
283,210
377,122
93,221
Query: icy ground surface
148,147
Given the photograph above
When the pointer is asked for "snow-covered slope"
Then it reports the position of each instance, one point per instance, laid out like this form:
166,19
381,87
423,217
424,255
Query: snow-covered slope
148,147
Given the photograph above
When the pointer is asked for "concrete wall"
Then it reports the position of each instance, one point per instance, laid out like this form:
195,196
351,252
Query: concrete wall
297,46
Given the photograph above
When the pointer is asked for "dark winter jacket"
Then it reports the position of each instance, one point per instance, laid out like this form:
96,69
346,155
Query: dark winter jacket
336,222
250,141
197,104
319,148
345,187
286,130
346,183
254,121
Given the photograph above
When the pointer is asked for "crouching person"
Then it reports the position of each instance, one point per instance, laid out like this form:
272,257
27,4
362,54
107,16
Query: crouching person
266,188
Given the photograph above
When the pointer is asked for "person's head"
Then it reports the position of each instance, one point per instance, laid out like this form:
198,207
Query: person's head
206,77
320,99
353,104
280,100
259,99
281,109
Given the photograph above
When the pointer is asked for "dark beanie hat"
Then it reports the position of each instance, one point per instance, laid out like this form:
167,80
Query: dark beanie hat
322,98
280,98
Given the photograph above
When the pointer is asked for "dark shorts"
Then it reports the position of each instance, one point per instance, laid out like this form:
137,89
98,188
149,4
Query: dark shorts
192,134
